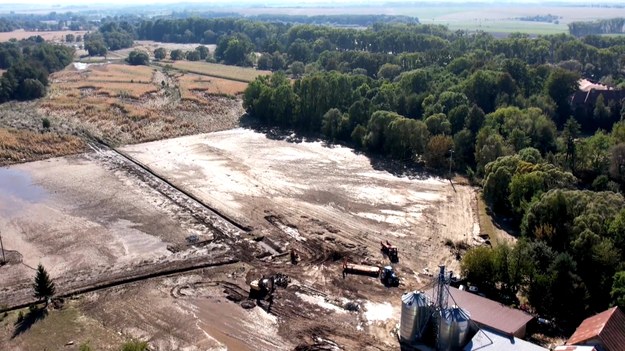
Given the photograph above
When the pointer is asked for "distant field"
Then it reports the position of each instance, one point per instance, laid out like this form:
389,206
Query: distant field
128,104
508,27
489,17
50,36
242,74
195,87
111,80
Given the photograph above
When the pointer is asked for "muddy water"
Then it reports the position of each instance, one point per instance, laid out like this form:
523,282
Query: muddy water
17,187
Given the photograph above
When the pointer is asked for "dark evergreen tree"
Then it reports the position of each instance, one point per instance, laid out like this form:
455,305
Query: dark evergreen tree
43,286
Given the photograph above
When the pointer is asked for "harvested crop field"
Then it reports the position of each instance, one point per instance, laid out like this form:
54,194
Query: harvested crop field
20,145
129,104
218,211
195,87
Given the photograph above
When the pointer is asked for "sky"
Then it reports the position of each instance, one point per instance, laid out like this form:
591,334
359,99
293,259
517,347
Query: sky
49,3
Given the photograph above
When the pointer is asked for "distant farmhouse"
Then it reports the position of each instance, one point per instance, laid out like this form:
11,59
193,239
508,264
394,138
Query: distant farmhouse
589,92
584,105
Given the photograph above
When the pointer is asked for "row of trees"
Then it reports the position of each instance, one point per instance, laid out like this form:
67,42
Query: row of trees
427,44
50,21
200,53
604,26
28,64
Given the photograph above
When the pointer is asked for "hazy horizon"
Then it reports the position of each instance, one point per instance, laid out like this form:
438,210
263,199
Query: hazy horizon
286,3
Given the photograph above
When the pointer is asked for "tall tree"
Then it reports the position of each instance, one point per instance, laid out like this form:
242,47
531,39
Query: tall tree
618,289
160,53
560,85
570,134
43,287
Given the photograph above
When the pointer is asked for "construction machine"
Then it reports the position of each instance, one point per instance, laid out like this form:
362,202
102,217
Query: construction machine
262,287
389,277
389,250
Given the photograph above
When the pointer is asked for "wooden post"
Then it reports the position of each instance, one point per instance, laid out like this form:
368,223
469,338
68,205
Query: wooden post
2,247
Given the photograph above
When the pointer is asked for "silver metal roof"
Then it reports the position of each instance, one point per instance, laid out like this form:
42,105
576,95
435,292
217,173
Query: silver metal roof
486,340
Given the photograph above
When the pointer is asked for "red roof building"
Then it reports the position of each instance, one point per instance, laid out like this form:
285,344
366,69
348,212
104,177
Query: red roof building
605,330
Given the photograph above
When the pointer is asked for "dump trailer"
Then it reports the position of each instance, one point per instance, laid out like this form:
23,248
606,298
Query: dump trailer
362,269
389,250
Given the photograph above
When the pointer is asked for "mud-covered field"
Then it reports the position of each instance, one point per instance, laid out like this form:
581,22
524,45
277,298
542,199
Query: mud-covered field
164,249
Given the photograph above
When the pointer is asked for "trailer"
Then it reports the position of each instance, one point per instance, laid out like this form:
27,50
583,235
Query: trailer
353,268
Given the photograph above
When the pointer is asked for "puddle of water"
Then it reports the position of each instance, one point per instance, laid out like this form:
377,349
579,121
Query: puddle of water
19,184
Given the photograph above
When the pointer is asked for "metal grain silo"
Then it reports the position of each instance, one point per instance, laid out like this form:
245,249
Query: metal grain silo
416,310
453,328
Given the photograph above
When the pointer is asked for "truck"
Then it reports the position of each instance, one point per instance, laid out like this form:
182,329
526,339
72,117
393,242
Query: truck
387,275
390,251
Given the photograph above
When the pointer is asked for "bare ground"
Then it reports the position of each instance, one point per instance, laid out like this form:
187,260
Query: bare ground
98,218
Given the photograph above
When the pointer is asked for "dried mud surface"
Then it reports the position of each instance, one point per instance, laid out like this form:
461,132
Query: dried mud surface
98,217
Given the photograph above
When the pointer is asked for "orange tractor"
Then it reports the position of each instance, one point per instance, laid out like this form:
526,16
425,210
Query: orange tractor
389,250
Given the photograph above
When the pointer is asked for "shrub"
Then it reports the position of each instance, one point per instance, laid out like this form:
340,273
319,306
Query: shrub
135,345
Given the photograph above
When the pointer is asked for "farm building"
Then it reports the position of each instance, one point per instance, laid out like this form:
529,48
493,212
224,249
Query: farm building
605,331
589,98
486,340
492,314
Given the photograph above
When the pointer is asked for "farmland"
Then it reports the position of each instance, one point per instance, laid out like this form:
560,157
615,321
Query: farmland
219,71
193,86
488,17
21,145
129,104
49,36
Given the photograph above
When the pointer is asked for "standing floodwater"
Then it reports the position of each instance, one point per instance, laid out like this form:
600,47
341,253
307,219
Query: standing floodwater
16,186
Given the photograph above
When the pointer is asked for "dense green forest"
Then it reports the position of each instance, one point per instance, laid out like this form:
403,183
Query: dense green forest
28,63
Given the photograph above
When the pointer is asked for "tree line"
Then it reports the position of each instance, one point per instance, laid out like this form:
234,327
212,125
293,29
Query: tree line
46,22
28,63
603,26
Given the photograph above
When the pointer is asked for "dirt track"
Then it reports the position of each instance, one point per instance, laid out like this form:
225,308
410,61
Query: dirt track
96,217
